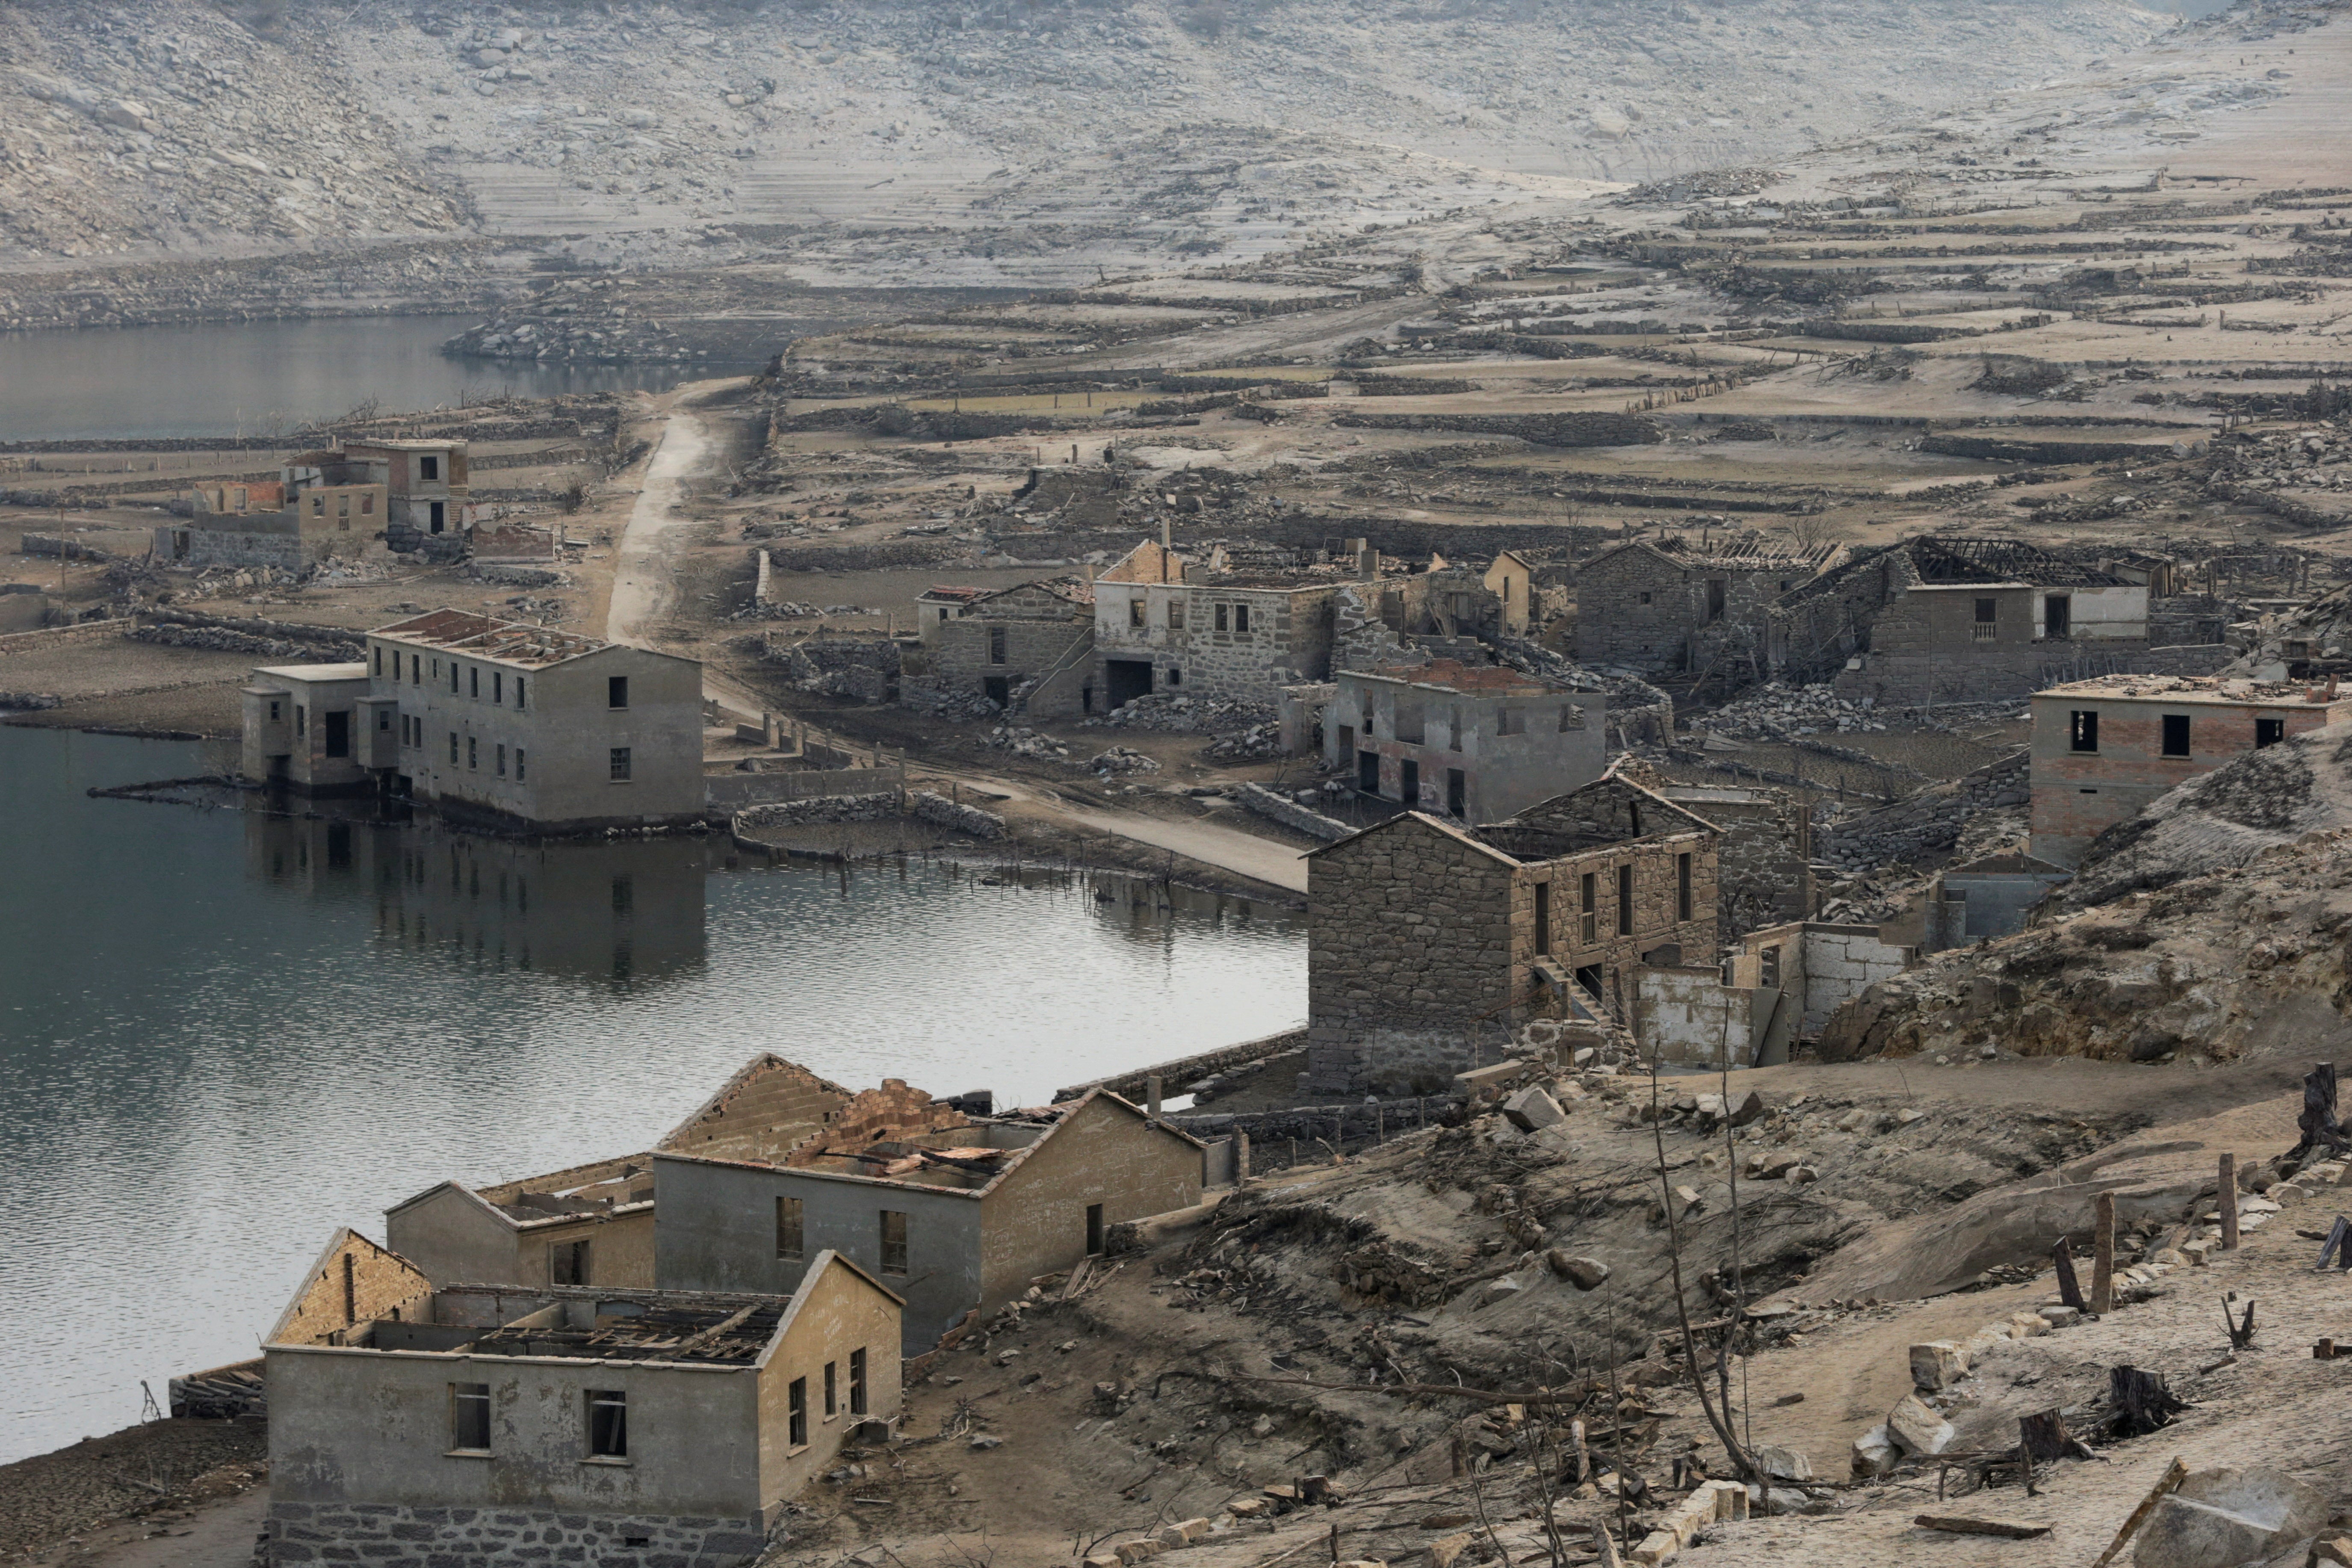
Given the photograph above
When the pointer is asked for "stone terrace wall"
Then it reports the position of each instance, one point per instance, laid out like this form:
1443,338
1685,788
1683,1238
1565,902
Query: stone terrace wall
407,1537
1929,822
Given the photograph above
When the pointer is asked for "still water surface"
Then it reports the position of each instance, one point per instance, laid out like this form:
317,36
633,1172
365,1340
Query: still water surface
259,378
222,1034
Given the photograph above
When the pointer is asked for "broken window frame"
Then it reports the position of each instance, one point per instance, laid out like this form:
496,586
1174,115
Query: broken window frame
796,1414
997,651
2083,730
857,1381
608,1424
1626,900
1588,909
469,1418
618,763
832,1389
791,1228
891,1231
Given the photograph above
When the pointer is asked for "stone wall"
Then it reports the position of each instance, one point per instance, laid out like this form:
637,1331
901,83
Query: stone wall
1588,429
948,814
962,658
1828,965
1764,873
1930,822
408,1537
1290,814
832,808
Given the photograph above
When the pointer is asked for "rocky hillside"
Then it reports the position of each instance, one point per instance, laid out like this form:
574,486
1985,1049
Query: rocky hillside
2212,926
1025,140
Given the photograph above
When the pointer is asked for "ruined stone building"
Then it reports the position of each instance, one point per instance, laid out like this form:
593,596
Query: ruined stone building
419,1426
1475,743
1675,604
955,1211
1954,619
498,722
1423,932
1764,869
329,503
1167,622
2104,749
1038,636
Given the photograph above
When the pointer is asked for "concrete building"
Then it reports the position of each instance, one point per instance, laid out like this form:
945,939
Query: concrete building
1039,636
1474,743
1167,622
2104,749
1821,966
1940,619
957,1212
1422,931
1676,604
628,1428
303,728
426,482
590,1225
516,724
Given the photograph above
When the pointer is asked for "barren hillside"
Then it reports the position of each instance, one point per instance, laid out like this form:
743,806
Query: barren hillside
1027,141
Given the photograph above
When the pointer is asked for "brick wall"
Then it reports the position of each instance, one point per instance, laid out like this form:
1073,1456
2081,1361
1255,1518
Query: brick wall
762,1112
378,1282
891,1112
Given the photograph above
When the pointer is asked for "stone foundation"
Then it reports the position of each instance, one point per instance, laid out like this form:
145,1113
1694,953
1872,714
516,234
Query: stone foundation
303,1533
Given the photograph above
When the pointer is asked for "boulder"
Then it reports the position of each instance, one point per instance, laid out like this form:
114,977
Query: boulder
1873,1453
2219,1518
1445,1549
1917,1428
1938,1364
1748,1109
1784,1464
1532,1111
1584,1273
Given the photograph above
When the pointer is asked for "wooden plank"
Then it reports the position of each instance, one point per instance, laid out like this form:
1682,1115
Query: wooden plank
2174,1474
2007,1529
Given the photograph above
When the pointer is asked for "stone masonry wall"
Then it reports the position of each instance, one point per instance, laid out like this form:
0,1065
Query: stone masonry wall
408,1537
1929,822
1409,935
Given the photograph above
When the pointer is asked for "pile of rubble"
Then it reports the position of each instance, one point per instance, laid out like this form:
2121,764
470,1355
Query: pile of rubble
1183,715
213,582
1778,710
604,333
840,666
941,703
793,610
30,702
1253,744
1022,743
1120,760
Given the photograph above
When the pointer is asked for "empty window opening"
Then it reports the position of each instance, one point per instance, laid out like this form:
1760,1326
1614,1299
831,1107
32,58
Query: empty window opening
2176,734
428,468
2083,729
1368,773
520,699
1588,904
2269,732
857,1381
796,1409
790,1236
1225,617
1094,1230
1682,887
996,645
1987,622
1768,968
616,691
832,1400
1241,618
1457,793
2058,616
567,1263
1624,900
1510,722
894,1242
469,1418
1408,782
1135,612
1543,918
1715,602
608,1424
339,734
502,762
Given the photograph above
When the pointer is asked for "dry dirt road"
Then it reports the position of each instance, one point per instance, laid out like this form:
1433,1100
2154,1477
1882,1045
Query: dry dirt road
641,576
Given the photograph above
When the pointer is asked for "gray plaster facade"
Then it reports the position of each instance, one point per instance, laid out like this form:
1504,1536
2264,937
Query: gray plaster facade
1475,744
303,728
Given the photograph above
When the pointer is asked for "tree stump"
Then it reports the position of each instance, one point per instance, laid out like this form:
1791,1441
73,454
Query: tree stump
2141,1402
2318,1119
2070,1289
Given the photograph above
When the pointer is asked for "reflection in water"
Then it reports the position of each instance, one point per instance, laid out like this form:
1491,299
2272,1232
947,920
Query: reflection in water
222,1034
631,910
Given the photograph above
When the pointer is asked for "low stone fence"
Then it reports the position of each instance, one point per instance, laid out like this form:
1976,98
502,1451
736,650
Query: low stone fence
1290,814
945,812
1176,1076
763,791
61,637
823,808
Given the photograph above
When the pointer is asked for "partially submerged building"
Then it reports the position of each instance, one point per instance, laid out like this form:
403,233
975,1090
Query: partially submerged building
1421,932
418,1426
502,722
2104,749
1475,743
1675,604
956,1212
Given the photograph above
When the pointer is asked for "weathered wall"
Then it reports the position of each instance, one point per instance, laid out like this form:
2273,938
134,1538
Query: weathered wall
457,1239
717,1232
1035,1221
1764,860
768,1106
1828,965
835,1312
2078,796
1688,1015
1560,743
1288,640
355,1282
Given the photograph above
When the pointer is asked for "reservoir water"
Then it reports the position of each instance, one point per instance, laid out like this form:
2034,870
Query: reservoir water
224,1033
259,378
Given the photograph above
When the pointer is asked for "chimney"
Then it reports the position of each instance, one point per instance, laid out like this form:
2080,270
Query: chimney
1166,533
